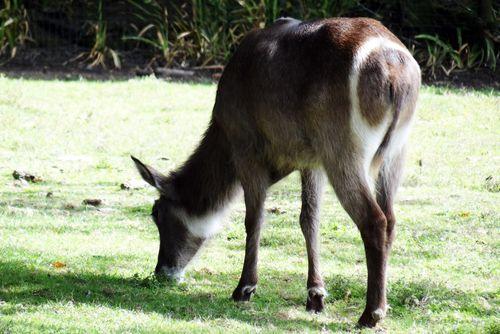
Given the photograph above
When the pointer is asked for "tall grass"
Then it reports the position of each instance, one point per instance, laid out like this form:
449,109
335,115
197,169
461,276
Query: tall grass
155,30
205,31
100,52
198,33
439,54
14,27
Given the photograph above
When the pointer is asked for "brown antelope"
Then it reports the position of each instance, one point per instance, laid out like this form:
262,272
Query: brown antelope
333,97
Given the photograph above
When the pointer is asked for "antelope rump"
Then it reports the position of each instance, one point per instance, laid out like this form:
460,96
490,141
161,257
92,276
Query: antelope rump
333,99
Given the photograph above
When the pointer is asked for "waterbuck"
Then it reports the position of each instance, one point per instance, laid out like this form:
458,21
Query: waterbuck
333,97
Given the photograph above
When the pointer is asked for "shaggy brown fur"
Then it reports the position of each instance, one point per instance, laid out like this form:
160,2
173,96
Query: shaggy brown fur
332,97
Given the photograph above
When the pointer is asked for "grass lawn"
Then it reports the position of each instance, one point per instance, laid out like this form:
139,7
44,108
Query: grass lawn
77,136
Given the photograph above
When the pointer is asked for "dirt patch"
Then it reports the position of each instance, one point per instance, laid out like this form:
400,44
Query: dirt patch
55,64
478,78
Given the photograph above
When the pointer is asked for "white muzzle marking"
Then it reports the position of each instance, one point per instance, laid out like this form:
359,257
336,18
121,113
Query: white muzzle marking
174,274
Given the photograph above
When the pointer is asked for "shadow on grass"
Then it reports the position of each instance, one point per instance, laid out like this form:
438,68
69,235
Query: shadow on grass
76,74
20,284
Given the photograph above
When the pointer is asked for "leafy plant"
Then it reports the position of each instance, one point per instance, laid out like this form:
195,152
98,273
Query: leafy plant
14,27
491,56
201,33
100,50
156,33
207,31
442,55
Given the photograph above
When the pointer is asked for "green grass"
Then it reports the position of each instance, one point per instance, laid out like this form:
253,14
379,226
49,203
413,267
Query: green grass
77,136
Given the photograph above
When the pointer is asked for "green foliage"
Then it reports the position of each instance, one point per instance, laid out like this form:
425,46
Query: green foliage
155,33
100,51
438,54
14,27
445,37
442,55
205,32
210,29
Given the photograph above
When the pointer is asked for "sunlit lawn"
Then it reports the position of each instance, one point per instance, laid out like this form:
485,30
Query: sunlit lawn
77,136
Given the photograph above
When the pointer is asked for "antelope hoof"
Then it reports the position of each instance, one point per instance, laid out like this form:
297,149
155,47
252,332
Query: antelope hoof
315,297
243,294
370,319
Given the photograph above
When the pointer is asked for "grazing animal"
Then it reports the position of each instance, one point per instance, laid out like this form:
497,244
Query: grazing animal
333,97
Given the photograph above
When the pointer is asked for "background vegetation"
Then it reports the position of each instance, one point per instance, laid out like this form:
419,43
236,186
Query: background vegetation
446,36
68,267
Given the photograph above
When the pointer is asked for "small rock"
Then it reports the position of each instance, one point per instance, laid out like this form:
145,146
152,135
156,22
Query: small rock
92,201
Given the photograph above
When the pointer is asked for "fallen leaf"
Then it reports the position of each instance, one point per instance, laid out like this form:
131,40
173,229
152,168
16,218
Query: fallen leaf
20,175
58,264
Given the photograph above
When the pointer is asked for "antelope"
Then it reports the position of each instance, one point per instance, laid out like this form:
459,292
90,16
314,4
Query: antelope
333,99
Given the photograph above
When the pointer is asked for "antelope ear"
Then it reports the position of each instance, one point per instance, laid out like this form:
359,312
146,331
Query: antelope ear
152,176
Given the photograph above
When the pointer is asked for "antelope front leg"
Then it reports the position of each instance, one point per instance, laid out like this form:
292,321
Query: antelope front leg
312,191
254,202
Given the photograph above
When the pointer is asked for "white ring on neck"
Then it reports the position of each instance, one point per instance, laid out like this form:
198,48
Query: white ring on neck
204,226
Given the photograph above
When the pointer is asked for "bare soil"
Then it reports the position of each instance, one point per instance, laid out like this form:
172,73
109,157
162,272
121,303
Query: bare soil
56,63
